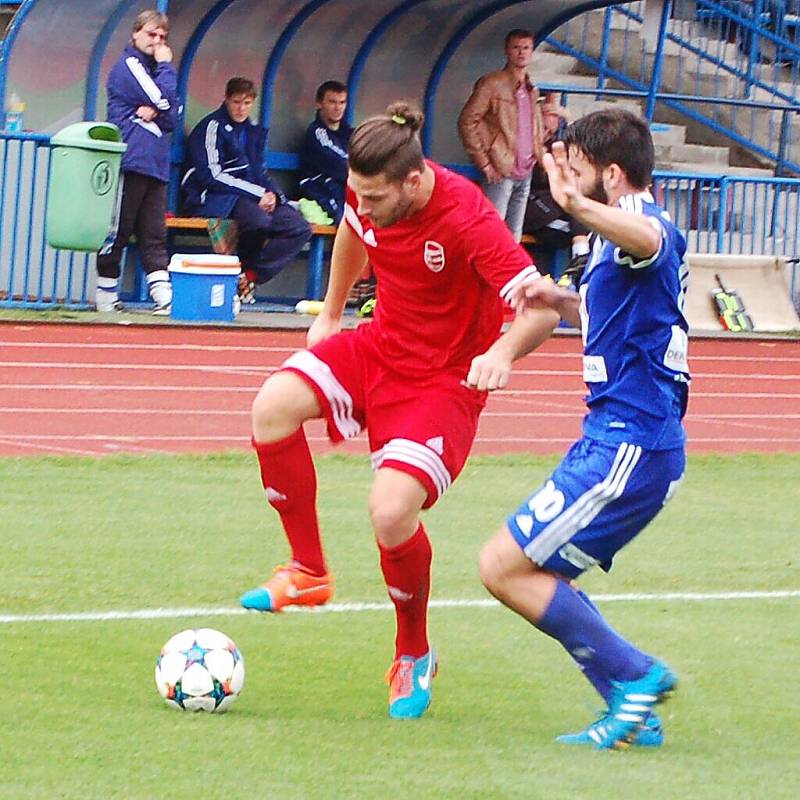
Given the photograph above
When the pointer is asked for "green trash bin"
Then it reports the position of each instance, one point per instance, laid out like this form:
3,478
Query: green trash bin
83,186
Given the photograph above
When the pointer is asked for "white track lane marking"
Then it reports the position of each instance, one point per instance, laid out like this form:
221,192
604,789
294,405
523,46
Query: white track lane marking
47,449
212,348
237,440
204,412
509,395
261,369
345,608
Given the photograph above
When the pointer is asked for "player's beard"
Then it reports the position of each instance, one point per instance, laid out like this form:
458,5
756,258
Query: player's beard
598,192
401,210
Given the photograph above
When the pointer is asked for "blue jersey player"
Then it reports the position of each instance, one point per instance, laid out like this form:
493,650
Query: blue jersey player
630,460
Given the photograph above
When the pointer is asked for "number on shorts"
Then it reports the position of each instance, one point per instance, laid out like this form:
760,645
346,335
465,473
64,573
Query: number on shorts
547,503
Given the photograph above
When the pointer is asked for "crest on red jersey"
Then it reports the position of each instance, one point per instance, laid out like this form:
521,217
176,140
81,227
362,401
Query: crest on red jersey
434,256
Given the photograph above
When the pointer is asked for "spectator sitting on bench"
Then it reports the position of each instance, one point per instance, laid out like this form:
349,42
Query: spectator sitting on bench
323,153
226,178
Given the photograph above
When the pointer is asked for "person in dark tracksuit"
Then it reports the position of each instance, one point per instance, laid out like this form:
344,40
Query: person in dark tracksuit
323,153
142,102
226,178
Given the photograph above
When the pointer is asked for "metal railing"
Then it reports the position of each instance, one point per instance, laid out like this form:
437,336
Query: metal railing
721,50
33,274
717,214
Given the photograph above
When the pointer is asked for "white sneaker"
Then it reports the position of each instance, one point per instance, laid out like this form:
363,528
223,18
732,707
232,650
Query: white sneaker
161,294
107,302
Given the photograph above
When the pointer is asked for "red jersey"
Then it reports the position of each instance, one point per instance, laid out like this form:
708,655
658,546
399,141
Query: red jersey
441,275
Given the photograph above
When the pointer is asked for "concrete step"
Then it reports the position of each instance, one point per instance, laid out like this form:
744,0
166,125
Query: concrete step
562,79
580,105
701,153
711,168
666,135
768,95
550,62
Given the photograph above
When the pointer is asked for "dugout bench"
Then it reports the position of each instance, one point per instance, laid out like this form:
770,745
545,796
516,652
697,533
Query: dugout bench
198,227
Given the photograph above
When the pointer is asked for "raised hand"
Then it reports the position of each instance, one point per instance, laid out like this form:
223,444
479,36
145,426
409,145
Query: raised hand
563,183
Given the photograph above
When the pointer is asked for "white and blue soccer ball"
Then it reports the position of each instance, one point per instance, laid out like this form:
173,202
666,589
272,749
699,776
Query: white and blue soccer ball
200,670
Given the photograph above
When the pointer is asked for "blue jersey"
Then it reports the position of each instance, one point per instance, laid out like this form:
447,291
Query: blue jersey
635,337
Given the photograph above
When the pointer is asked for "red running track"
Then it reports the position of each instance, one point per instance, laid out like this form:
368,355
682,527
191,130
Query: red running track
95,389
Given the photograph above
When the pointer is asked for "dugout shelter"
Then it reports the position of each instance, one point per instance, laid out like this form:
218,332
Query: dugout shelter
56,57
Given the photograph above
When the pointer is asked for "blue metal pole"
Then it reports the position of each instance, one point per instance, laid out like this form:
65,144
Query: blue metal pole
7,45
364,52
723,213
601,75
97,55
755,45
455,41
184,70
276,56
658,61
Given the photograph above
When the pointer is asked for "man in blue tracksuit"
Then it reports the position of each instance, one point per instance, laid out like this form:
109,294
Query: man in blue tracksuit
142,102
226,178
323,154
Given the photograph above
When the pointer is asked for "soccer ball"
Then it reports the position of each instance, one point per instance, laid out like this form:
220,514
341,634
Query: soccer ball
200,670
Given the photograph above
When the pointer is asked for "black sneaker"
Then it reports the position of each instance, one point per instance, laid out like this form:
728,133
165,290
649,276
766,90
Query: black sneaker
573,272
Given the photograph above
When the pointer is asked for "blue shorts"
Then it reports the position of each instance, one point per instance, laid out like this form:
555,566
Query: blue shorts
597,499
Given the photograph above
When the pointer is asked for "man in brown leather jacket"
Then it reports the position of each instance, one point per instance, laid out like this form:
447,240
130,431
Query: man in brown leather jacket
504,129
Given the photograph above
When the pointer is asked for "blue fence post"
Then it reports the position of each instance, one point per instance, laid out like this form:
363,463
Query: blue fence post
722,216
755,45
780,164
658,61
601,71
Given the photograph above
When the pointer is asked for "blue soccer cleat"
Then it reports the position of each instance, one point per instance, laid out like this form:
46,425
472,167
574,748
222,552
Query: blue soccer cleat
651,734
630,704
410,682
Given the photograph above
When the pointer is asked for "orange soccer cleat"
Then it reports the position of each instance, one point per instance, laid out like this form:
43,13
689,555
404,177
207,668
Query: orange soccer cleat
290,585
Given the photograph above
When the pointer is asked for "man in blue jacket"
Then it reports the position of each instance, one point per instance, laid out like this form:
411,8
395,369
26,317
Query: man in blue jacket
142,102
226,178
323,154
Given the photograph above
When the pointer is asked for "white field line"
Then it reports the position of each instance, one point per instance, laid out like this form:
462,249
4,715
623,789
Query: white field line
234,348
345,608
263,368
506,394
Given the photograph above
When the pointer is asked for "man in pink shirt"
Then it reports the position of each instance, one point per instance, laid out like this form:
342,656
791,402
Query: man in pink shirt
504,129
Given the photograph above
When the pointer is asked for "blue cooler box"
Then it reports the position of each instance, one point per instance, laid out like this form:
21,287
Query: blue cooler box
204,287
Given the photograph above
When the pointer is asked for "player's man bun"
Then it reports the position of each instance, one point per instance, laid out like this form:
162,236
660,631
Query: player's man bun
408,112
388,144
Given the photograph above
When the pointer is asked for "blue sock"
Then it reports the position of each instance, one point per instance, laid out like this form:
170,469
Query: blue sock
601,653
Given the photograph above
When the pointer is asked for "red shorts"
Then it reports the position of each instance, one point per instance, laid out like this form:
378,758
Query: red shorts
423,427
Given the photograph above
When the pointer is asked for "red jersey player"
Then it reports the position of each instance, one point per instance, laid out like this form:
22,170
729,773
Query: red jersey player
416,377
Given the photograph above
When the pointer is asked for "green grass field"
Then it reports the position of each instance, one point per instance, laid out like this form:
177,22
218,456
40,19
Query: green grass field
80,716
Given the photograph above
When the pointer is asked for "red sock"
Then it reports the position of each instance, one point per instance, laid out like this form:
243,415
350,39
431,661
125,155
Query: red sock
290,481
407,572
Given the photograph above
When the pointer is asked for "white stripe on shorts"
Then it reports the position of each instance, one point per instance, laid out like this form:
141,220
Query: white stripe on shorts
586,507
340,400
416,455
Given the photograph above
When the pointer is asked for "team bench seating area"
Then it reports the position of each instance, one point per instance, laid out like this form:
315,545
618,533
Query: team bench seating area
316,252
316,248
